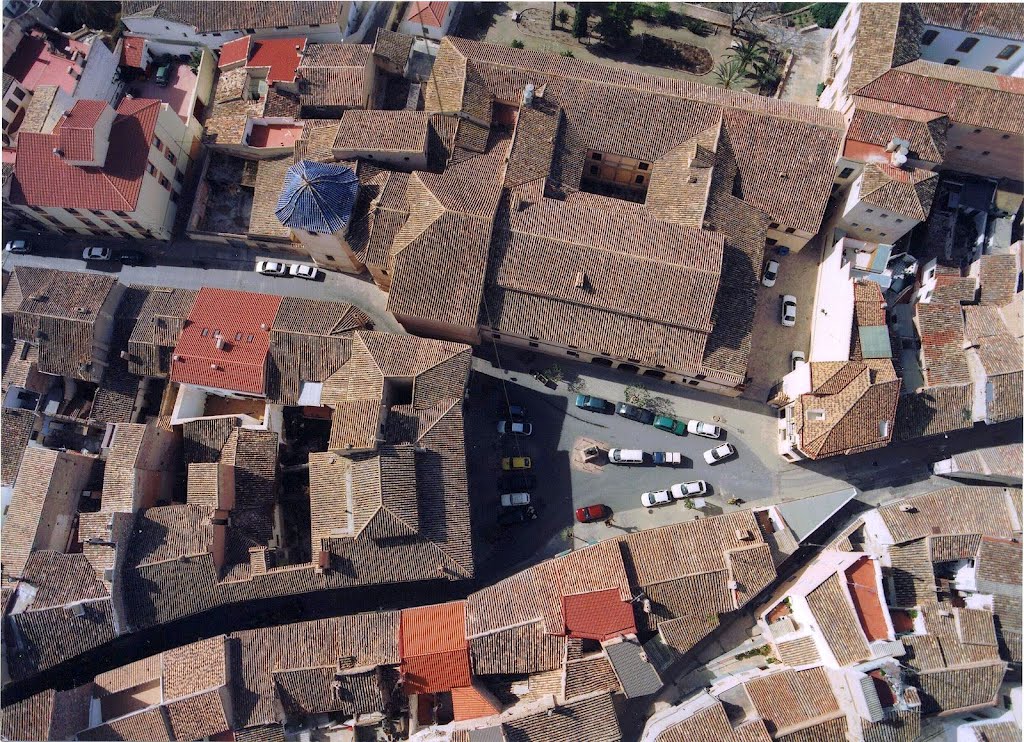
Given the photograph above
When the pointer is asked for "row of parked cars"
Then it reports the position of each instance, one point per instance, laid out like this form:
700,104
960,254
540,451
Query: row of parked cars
517,480
296,270
646,417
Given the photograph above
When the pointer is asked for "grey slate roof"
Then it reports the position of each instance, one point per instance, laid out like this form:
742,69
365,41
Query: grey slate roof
637,675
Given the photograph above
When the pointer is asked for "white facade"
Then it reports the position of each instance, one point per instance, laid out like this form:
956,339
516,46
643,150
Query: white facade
16,99
987,53
870,222
415,28
839,59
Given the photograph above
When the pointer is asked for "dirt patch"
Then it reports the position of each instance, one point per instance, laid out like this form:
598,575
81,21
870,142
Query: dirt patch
583,460
675,54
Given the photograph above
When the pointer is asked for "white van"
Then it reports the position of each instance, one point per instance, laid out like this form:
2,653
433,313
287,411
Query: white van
626,456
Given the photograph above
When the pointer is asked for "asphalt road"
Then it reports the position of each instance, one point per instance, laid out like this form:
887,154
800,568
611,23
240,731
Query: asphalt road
191,265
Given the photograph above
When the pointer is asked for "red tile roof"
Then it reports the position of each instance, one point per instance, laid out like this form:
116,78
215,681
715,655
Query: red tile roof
433,646
282,56
470,703
240,364
429,14
41,178
76,129
132,51
234,51
599,615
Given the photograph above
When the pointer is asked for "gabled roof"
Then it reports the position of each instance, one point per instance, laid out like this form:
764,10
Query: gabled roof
899,190
435,654
991,19
76,129
888,35
598,615
952,510
240,321
383,131
427,13
318,197
879,122
41,178
206,17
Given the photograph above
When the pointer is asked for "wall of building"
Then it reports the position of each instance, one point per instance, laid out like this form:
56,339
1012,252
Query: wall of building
982,56
832,318
159,29
407,161
329,251
840,42
871,223
98,80
795,240
15,100
988,152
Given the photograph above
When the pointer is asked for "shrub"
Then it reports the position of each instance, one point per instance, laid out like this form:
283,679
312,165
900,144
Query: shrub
820,89
568,53
517,44
563,17
616,24
696,26
579,21
826,15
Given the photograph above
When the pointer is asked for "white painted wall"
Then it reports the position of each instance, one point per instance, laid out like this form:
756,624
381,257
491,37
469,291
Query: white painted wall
841,42
832,321
982,55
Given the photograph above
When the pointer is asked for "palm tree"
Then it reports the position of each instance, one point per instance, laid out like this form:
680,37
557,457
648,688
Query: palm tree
766,74
729,73
749,52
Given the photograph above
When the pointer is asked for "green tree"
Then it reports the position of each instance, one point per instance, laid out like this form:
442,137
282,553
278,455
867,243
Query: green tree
517,44
579,21
568,53
563,17
729,74
749,53
616,24
826,15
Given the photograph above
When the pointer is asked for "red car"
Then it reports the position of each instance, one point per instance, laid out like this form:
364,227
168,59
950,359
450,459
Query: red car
593,512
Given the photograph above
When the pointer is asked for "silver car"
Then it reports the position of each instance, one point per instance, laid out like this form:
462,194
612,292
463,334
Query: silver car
654,499
788,310
271,268
689,489
696,427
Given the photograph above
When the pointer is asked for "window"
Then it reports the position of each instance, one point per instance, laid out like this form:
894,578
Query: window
771,241
238,336
867,229
881,234
959,146
595,170
596,156
12,106
165,183
991,68
330,258
1005,136
179,176
534,345
773,225
157,143
967,44
19,93
151,168
883,216
986,153
899,221
790,230
174,197
496,335
846,173
281,28
871,211
572,353
171,158
929,37
815,414
639,179
250,30
952,62
216,33
205,332
1008,51
643,166
977,131
855,224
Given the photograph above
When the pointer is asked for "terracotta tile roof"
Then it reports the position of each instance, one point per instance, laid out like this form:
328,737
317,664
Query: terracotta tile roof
959,509
802,651
263,733
590,675
160,319
333,77
149,724
234,52
912,573
859,403
888,35
383,131
998,563
435,655
263,221
789,699
45,486
310,691
75,130
205,18
711,724
598,615
591,719
41,178
951,548
472,703
999,275
61,579
127,676
522,649
879,122
986,18
238,316
965,687
393,46
197,717
47,715
426,13
55,635
280,55
968,97
38,109
907,192
379,214
831,607
16,428
941,328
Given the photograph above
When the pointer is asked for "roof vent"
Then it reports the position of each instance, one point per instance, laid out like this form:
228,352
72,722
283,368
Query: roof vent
907,508
264,326
124,355
215,367
78,609
944,613
176,357
732,585
784,176
744,534
82,310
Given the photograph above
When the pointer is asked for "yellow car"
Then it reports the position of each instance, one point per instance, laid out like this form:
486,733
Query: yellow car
516,462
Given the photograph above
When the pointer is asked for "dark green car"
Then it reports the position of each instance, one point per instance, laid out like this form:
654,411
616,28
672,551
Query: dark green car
670,425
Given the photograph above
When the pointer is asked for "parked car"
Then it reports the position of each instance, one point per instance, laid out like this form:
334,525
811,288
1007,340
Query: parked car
788,310
625,456
670,424
301,270
667,458
705,429
689,489
163,75
771,273
508,426
18,247
517,412
130,257
654,499
96,253
515,499
271,268
592,513
796,358
515,516
511,463
719,453
632,412
517,481
594,404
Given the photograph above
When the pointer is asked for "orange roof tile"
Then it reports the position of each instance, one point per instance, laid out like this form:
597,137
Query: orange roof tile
429,14
598,615
433,673
433,629
470,703
282,56
236,50
243,320
132,50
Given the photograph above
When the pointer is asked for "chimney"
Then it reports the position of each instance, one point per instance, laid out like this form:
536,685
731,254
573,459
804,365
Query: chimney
219,342
581,279
528,95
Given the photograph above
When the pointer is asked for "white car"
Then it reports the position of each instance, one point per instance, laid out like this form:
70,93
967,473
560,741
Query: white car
654,499
507,426
299,270
771,272
271,268
689,489
696,427
18,247
96,253
515,499
788,310
719,453
796,358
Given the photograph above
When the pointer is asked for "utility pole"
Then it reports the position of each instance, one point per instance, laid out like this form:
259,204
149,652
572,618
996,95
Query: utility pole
554,11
